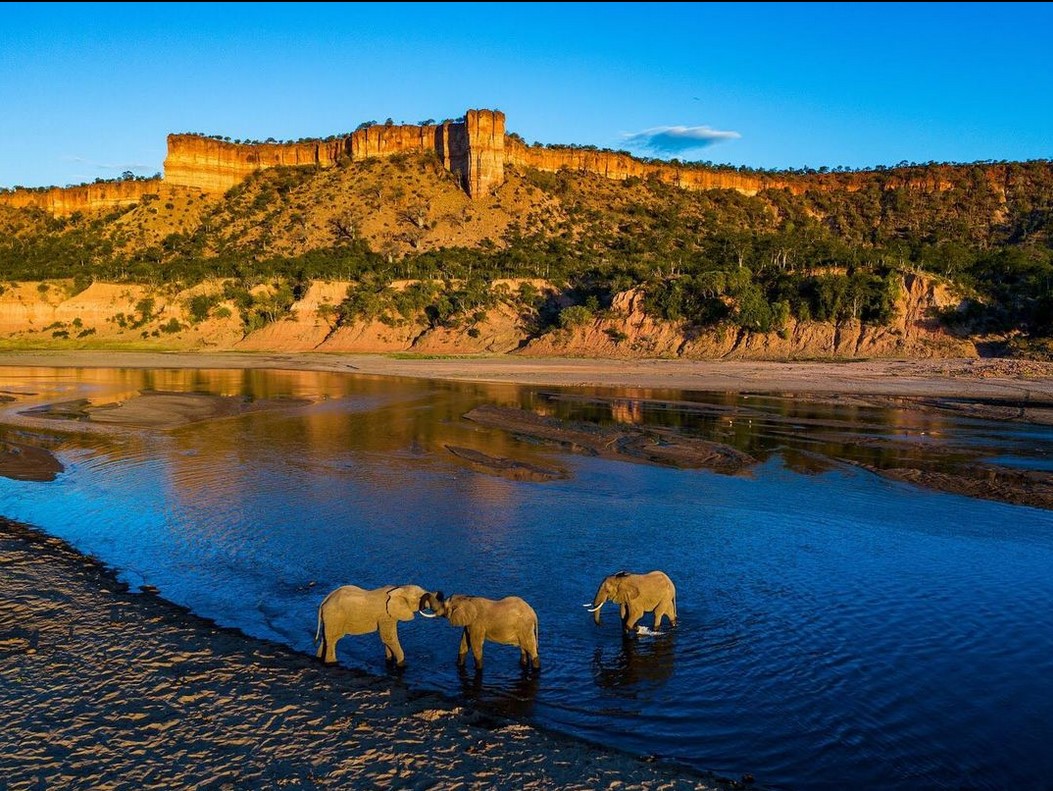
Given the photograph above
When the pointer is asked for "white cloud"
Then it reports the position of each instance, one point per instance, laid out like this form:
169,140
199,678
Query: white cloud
678,139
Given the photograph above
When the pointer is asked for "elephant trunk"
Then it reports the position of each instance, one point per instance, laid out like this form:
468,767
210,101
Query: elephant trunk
597,604
435,603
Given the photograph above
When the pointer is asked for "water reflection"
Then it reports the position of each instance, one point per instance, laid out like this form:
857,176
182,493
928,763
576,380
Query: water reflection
638,661
513,698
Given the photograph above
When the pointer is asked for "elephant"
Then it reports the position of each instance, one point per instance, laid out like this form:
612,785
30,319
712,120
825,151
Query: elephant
636,594
354,610
510,621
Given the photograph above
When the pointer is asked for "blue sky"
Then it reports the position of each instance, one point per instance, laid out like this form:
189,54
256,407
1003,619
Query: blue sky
90,90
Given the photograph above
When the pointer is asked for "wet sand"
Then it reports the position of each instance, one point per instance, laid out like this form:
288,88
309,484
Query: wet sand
105,688
998,379
158,410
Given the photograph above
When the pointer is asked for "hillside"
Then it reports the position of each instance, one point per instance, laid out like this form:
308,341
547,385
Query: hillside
392,253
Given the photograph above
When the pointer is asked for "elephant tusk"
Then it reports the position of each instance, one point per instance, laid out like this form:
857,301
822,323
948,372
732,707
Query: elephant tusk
428,614
594,609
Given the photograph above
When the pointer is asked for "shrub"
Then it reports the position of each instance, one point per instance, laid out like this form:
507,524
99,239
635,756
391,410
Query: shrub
575,316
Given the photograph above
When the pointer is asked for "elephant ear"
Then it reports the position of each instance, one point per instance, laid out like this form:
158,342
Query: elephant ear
461,612
398,606
629,592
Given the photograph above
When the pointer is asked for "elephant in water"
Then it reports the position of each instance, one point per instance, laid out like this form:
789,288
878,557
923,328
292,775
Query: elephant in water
510,621
636,594
353,610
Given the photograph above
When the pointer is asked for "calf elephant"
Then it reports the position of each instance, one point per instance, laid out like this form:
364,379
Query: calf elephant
636,594
510,621
354,610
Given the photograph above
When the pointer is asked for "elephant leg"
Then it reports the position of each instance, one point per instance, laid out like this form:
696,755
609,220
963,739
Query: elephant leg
476,639
663,611
390,637
462,652
528,649
632,617
327,650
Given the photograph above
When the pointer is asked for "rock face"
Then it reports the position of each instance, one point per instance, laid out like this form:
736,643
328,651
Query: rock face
631,333
620,166
486,150
476,148
216,166
113,316
472,148
86,197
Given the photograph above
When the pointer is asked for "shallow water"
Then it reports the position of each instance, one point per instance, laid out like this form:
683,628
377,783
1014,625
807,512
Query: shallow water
836,629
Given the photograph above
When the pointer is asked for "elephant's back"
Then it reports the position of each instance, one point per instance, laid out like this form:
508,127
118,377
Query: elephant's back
519,605
663,578
345,592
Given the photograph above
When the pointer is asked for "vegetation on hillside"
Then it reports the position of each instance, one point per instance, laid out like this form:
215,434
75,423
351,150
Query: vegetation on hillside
700,258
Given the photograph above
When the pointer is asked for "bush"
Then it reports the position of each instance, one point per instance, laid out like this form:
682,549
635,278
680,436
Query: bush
200,305
575,316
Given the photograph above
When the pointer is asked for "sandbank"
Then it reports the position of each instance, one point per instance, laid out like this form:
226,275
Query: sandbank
991,378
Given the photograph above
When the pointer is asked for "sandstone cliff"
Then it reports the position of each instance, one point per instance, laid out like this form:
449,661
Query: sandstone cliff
620,166
476,149
486,150
86,197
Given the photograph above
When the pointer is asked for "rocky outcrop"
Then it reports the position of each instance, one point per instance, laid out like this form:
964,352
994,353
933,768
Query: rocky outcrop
215,165
476,149
62,201
620,166
629,332
117,316
486,150
473,149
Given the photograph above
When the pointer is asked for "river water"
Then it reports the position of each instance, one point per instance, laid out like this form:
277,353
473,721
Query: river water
837,629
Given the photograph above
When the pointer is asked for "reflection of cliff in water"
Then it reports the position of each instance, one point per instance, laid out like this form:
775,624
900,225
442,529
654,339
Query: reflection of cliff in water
521,433
909,441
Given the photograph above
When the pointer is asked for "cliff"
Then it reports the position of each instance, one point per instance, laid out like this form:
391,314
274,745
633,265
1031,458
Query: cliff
86,197
486,150
629,332
620,166
476,149
216,166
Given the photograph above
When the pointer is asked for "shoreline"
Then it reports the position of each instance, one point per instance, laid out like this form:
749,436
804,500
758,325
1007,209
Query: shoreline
1005,379
107,686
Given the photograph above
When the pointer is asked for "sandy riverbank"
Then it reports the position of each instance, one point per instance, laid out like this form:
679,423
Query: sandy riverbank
996,379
